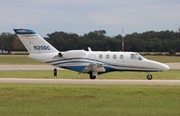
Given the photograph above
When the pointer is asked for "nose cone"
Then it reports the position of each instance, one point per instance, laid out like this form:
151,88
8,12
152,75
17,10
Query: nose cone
165,67
157,66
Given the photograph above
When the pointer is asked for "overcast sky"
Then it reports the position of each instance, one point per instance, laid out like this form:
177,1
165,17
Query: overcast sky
83,16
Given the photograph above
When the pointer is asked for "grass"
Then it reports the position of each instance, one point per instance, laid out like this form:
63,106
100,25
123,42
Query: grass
89,100
164,59
25,60
66,74
18,60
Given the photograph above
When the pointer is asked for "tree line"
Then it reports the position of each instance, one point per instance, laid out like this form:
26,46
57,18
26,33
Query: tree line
150,41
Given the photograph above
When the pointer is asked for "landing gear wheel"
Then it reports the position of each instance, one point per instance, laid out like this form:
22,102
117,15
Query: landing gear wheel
149,77
92,76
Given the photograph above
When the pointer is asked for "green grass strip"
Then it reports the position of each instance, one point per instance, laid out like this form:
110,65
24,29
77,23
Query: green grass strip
89,100
17,60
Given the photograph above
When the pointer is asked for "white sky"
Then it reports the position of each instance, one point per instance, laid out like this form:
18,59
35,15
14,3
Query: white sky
83,16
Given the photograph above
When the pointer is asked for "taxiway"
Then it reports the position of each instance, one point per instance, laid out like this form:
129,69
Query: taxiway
89,82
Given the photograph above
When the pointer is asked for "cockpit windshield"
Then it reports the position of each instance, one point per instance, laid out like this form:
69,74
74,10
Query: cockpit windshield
139,56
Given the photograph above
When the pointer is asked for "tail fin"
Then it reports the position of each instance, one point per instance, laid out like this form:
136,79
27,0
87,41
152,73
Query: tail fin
33,42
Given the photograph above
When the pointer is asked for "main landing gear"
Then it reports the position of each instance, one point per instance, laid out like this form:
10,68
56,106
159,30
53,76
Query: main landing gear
149,76
92,75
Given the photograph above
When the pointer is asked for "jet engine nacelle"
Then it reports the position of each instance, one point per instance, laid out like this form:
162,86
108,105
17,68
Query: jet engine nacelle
72,54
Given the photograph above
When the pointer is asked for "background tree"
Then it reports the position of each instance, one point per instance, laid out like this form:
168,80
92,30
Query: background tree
149,41
5,40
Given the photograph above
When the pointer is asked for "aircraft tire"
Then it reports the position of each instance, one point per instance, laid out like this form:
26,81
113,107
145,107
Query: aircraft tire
92,76
149,77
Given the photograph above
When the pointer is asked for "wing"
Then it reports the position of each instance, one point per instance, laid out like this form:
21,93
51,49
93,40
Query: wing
96,67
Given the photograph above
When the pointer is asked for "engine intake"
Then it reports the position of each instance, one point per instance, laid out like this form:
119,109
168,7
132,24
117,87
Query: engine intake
60,54
72,54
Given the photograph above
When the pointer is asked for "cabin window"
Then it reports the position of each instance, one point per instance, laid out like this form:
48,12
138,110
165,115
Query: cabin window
114,56
133,57
121,56
100,56
107,56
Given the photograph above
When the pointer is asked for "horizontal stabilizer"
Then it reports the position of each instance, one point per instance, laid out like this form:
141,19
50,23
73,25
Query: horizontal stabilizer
24,31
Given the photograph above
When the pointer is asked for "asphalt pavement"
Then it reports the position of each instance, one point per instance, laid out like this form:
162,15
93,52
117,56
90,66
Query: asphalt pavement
89,81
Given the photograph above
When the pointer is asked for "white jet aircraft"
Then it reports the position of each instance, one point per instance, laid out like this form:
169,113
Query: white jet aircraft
91,62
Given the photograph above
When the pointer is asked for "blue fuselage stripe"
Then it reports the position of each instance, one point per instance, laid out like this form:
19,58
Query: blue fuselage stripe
78,64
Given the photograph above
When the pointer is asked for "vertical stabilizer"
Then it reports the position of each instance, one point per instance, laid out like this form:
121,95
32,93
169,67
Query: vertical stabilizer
34,43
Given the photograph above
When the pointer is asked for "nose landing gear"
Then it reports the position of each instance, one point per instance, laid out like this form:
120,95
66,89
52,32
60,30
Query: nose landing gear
149,76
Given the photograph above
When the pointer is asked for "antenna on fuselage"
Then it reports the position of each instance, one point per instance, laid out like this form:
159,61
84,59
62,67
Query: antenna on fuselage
89,49
122,39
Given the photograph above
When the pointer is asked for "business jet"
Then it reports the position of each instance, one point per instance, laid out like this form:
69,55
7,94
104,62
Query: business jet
90,62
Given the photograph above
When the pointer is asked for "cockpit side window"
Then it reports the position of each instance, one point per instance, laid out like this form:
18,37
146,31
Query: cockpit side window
133,57
139,56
